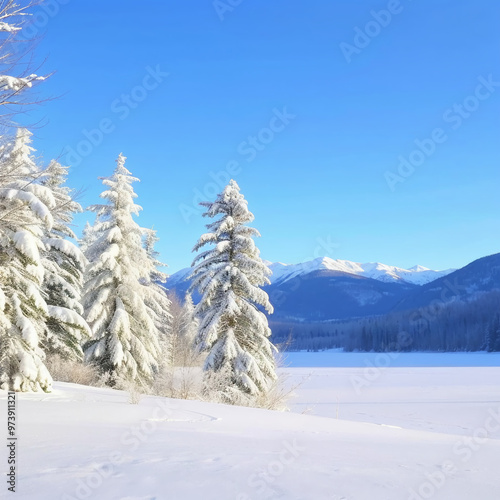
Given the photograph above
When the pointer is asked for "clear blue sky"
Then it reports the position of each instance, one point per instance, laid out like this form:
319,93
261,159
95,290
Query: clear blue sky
317,184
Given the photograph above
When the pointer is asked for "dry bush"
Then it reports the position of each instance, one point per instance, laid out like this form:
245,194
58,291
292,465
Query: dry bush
278,395
181,382
134,391
63,370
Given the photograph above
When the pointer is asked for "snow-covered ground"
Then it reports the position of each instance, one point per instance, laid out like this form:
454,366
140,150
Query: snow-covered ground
369,428
448,392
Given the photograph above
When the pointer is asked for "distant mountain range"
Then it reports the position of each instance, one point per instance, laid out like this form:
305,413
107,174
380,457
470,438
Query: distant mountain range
326,289
416,275
326,303
466,284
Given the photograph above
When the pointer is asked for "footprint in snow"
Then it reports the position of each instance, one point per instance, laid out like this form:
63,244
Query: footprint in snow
187,416
138,498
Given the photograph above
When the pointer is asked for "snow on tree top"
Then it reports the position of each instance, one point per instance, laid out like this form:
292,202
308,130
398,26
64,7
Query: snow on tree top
16,84
9,28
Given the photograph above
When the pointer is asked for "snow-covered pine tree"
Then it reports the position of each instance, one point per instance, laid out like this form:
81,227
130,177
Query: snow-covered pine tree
120,306
64,264
188,354
24,218
88,237
191,322
233,331
155,294
177,376
156,298
184,326
492,341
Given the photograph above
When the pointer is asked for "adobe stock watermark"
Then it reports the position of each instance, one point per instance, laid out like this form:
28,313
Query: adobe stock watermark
263,481
363,36
120,109
48,9
248,150
463,450
131,440
455,116
222,7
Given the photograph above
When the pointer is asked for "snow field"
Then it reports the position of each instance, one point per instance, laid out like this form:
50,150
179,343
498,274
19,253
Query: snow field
412,433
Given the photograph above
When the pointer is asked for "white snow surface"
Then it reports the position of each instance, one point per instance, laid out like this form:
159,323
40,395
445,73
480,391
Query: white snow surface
68,248
424,426
68,316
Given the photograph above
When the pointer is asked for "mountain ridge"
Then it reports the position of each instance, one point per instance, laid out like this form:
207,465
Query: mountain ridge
416,275
480,276
324,289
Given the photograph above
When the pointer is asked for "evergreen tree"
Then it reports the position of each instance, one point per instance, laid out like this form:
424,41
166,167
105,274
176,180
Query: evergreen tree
493,335
88,237
155,294
26,207
64,264
176,377
233,331
191,321
184,326
122,303
24,219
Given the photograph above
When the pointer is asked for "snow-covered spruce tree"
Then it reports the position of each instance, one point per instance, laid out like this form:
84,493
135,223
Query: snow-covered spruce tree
88,237
64,264
24,219
121,304
178,376
188,332
184,326
159,305
155,294
234,332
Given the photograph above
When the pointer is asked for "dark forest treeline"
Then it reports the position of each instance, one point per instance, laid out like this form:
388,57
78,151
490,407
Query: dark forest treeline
452,326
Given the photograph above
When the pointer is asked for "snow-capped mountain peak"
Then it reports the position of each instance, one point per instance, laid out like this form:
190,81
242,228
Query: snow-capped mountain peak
419,269
417,275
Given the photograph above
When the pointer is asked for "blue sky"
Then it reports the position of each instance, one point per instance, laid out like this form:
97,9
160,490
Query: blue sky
353,86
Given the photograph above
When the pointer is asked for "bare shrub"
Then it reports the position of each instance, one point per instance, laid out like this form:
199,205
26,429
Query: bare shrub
181,382
76,372
134,392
